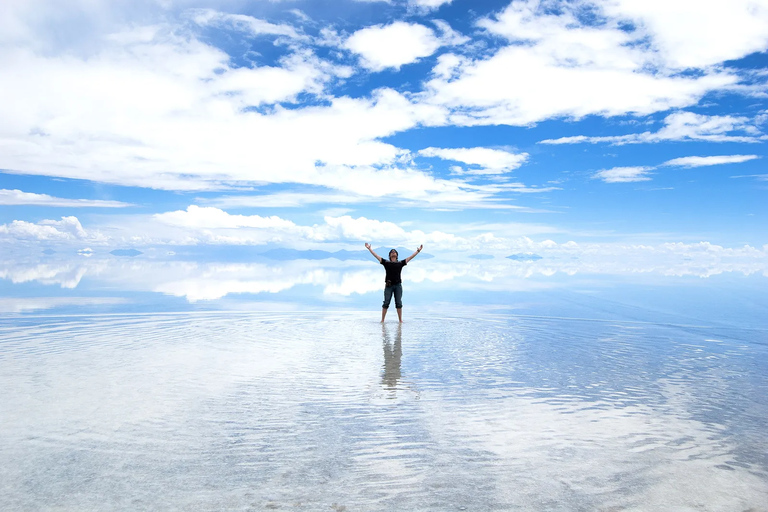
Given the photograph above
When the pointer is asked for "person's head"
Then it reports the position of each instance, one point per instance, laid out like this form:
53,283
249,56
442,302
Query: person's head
392,255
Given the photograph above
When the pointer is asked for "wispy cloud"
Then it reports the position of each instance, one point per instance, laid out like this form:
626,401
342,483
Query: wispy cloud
282,200
428,5
249,24
623,174
680,126
630,174
17,197
759,177
701,161
483,160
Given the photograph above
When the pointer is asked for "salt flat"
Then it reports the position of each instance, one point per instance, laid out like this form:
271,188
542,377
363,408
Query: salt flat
311,411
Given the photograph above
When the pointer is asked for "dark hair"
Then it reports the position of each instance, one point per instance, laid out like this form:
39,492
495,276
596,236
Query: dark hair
393,251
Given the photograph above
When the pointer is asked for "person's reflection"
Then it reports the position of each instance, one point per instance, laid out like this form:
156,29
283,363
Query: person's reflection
393,353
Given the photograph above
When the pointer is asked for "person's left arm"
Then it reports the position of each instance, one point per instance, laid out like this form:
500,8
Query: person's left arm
409,258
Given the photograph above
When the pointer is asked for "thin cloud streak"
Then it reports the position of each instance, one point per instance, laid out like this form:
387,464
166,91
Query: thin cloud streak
623,174
680,126
702,161
17,197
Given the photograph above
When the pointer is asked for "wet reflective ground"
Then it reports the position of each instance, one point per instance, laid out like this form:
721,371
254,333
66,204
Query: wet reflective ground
333,411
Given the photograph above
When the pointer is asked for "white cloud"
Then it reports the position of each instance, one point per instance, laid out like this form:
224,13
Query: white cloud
17,197
488,161
392,46
365,229
623,174
156,115
556,66
155,106
680,126
282,200
299,73
448,36
701,161
759,177
213,218
428,4
697,33
461,196
254,26
66,229
631,174
167,111
209,225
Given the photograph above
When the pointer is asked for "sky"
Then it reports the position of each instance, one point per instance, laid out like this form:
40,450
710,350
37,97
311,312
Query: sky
621,128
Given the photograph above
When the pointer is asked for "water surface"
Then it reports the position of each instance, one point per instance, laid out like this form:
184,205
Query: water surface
481,410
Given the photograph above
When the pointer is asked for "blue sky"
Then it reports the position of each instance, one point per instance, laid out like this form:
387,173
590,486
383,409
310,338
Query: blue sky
619,127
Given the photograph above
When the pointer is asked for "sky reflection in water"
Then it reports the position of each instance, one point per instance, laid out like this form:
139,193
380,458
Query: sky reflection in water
303,411
654,287
141,383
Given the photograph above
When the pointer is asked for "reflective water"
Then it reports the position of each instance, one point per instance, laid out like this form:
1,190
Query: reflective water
472,410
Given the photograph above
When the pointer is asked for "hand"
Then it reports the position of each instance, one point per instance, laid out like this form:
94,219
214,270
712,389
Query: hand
419,248
367,246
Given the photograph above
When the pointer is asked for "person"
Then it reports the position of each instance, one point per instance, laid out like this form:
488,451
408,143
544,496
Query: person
394,284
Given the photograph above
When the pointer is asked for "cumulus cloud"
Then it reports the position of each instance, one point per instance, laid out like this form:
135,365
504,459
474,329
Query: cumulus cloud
210,225
555,65
212,218
701,161
170,112
158,105
483,160
392,46
696,33
17,197
178,124
66,229
623,174
680,126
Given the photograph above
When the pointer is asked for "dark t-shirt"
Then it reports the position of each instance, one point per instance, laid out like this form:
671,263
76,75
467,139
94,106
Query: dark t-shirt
393,269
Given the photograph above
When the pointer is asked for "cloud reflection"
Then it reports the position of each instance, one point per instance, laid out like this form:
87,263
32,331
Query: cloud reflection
329,278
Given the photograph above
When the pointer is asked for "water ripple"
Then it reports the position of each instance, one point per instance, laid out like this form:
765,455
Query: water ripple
321,411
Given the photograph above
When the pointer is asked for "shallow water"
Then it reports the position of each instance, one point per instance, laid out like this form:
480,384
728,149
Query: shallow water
308,411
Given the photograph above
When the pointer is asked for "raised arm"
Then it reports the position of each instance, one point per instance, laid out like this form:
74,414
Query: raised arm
409,258
368,246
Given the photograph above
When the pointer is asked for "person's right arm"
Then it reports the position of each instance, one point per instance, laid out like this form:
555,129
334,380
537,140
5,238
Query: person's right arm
368,246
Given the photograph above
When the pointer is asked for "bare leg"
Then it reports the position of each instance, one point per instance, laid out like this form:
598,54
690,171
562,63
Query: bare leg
399,314
383,314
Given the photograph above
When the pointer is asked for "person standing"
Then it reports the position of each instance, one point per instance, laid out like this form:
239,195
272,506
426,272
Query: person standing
393,281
